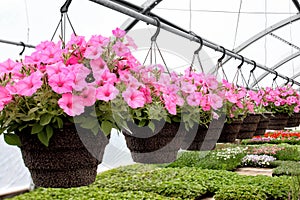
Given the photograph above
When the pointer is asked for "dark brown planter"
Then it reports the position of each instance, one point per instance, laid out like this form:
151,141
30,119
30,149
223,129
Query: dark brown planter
68,161
230,131
158,147
278,121
263,124
293,120
249,126
203,138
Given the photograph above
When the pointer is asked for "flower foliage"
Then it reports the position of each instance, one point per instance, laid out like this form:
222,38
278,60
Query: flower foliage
99,78
279,100
265,150
235,99
257,160
59,81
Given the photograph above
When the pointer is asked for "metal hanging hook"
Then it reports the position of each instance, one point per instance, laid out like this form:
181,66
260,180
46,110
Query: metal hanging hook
201,45
275,75
154,37
65,7
288,80
22,43
292,82
240,65
223,56
254,64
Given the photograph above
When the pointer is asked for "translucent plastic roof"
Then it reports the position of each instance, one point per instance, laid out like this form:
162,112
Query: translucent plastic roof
226,23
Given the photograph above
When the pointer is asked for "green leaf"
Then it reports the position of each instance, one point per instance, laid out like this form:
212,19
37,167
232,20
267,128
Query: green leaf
60,122
186,118
12,139
45,119
43,138
106,127
142,123
49,131
89,123
95,130
151,126
36,128
32,110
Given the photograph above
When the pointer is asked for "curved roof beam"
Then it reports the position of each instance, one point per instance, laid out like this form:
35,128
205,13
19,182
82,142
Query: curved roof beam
265,32
297,5
280,63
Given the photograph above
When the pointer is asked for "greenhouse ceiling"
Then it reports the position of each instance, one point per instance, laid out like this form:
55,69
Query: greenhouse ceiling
266,32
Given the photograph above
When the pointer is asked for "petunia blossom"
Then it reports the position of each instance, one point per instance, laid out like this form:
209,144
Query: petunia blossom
88,96
72,105
61,83
120,49
30,84
93,52
119,33
134,98
106,92
5,97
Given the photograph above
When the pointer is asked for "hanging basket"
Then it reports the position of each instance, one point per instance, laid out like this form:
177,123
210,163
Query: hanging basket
161,146
249,126
68,161
230,131
263,124
293,120
203,138
278,121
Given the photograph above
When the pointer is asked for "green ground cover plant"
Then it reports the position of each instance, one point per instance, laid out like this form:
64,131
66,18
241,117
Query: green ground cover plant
221,159
153,182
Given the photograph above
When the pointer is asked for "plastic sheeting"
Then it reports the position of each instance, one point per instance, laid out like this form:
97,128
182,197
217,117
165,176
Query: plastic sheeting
14,176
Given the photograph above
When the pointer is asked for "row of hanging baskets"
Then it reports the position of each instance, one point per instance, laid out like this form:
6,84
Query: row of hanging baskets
59,104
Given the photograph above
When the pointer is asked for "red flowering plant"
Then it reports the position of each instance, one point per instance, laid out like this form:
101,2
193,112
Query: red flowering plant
280,100
275,137
282,134
60,81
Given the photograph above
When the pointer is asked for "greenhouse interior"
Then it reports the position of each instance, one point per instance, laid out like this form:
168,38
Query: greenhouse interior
150,99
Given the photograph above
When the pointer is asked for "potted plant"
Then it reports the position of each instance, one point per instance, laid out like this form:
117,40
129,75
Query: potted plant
55,105
234,109
201,102
282,102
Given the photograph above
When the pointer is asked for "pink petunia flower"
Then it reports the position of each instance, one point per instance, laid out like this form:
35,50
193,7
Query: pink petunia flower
93,51
61,83
98,66
30,84
5,97
131,43
88,96
120,49
107,92
193,99
106,77
98,40
134,98
10,66
57,68
72,105
119,33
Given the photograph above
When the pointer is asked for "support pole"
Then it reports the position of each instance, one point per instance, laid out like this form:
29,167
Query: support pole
145,9
16,43
149,20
